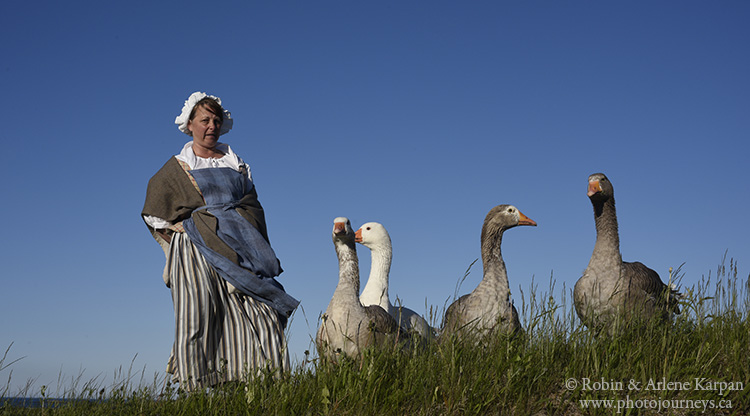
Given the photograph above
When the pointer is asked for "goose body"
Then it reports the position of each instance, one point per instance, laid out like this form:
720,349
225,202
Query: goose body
348,327
375,237
489,307
610,287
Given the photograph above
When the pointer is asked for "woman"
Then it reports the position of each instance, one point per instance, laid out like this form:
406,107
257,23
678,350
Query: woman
202,208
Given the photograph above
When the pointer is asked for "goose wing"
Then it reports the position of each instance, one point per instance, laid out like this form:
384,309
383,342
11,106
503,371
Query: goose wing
647,281
380,320
453,318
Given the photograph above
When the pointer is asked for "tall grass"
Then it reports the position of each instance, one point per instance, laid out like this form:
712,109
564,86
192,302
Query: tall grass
694,365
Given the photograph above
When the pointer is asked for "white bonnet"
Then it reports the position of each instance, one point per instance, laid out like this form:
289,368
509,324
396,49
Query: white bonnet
184,117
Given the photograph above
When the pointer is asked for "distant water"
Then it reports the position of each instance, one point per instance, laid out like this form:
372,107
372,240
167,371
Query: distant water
33,402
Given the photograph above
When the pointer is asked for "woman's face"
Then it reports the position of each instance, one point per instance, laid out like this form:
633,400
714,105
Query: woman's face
205,127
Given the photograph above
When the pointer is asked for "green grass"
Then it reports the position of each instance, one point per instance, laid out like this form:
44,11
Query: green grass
549,371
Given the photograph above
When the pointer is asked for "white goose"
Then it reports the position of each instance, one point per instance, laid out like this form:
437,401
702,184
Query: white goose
348,327
488,307
374,236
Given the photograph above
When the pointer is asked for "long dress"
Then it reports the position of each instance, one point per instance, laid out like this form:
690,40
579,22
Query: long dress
229,319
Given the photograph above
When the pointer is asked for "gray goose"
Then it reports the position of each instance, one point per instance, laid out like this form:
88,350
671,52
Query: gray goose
348,327
609,287
488,307
375,237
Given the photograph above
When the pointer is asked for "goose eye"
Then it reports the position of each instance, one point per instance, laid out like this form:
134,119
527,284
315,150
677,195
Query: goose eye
368,228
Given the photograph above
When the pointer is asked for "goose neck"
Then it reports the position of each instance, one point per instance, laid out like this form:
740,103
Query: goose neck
495,273
607,234
377,283
381,263
348,269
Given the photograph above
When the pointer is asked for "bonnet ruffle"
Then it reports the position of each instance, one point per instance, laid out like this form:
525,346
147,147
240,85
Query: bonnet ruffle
184,117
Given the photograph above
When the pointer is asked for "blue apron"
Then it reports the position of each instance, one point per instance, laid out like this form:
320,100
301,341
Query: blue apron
222,189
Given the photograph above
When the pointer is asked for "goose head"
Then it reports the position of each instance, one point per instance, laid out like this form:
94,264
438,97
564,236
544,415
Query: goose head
504,217
372,235
342,230
600,188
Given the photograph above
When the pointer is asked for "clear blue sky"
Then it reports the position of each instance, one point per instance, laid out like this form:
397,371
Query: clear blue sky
421,115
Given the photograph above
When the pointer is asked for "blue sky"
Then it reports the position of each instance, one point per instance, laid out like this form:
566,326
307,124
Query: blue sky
419,115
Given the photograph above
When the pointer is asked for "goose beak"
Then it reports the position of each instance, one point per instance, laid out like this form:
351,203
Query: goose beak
524,220
339,227
594,188
358,236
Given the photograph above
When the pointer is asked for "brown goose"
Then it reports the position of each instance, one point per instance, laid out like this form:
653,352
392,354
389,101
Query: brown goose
610,287
489,307
348,327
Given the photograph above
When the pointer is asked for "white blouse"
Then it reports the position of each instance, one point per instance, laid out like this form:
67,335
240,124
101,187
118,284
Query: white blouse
229,160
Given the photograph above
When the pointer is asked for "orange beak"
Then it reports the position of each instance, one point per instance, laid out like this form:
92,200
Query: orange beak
358,236
524,220
594,187
339,227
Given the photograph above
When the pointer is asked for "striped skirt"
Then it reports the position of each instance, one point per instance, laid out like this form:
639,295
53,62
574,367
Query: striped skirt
220,335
